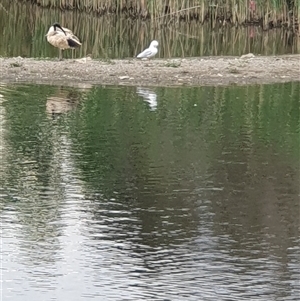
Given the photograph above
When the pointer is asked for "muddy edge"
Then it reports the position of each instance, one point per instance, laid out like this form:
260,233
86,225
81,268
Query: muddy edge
214,71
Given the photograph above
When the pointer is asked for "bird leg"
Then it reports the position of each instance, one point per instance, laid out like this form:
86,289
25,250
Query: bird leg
60,54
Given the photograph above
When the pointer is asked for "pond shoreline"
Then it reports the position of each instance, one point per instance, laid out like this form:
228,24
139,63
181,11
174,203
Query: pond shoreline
208,71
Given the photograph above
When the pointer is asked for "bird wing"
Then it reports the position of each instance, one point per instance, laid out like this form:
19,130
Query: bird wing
146,53
73,37
58,40
69,34
73,43
66,30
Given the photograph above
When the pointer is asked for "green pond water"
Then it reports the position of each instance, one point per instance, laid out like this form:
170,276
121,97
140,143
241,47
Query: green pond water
124,193
23,28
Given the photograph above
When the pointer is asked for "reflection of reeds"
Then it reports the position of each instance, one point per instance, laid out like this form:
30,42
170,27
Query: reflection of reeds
269,12
111,36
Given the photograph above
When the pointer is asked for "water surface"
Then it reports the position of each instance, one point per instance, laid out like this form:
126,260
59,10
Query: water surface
124,193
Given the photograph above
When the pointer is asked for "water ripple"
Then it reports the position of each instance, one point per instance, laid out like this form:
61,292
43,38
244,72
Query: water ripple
102,201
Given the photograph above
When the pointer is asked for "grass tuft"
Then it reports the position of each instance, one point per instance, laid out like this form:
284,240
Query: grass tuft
173,64
15,65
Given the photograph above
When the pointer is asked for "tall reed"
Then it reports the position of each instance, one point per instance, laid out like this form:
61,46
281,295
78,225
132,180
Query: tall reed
118,37
268,13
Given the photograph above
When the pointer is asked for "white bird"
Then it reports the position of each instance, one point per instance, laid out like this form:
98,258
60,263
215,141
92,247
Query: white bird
62,38
149,52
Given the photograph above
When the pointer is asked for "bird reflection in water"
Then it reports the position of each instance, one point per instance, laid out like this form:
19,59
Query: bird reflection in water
63,101
149,96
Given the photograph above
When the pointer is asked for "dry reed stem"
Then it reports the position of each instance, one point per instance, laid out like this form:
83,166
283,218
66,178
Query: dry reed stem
268,12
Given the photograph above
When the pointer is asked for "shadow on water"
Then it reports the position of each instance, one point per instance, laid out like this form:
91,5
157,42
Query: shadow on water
111,37
104,196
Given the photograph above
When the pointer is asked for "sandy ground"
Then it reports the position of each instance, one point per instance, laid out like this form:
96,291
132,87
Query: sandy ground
158,72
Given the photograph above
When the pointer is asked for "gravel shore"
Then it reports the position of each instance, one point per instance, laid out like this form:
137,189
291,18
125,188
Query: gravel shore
211,71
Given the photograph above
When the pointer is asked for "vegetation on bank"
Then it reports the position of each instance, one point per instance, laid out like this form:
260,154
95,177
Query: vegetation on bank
113,36
267,13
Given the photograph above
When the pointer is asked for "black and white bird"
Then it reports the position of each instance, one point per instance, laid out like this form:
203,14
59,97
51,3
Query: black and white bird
62,38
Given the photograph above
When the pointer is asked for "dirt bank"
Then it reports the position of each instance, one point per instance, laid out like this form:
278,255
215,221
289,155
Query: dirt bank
158,72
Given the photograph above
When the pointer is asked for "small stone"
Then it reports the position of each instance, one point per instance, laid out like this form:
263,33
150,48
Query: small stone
124,77
83,60
248,56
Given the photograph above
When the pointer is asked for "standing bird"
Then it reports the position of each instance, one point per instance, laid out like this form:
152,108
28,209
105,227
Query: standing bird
62,38
149,52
